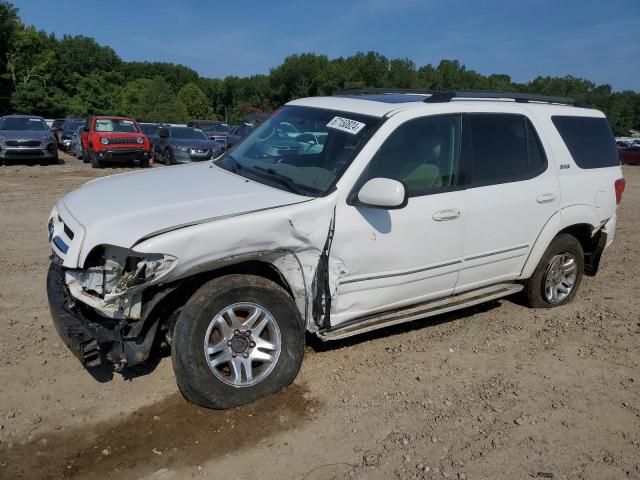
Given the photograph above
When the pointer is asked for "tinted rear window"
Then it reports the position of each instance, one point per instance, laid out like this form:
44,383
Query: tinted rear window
589,140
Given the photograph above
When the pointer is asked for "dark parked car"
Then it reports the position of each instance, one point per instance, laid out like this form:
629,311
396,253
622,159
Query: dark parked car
27,137
184,145
67,130
630,155
76,143
214,129
238,132
152,132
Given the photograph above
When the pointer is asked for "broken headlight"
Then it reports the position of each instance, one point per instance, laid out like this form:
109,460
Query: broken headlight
139,270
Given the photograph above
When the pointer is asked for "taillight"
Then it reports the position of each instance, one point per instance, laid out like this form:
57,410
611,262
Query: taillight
620,184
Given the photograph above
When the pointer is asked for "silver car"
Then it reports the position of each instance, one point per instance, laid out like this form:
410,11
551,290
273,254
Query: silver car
27,137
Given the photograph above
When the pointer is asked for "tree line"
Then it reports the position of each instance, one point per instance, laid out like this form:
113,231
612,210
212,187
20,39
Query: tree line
74,75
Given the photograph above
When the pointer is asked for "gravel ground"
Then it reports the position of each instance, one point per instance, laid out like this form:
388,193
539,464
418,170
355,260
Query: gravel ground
496,391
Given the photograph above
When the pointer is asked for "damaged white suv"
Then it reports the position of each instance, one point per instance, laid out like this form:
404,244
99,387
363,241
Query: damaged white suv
336,216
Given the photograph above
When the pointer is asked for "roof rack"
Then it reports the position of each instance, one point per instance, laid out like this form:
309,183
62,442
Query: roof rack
444,96
448,95
382,91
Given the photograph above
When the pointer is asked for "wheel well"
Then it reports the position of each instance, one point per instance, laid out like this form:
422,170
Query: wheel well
582,233
592,245
162,303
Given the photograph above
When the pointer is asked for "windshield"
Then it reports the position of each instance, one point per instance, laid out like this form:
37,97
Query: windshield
188,132
150,129
301,149
115,125
217,127
23,124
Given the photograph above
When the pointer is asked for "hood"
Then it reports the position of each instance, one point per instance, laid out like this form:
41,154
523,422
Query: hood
122,209
192,142
26,134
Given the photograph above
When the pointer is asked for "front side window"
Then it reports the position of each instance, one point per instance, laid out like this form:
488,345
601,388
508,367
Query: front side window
115,125
423,154
301,149
589,140
502,148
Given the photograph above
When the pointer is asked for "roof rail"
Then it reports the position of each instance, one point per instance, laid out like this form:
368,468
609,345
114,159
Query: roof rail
448,95
382,91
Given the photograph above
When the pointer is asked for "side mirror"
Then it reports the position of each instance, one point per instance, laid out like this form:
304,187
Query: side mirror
163,133
383,193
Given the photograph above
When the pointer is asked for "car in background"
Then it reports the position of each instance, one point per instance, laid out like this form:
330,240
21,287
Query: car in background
75,147
151,131
67,131
630,154
114,139
56,126
185,145
27,137
238,132
215,130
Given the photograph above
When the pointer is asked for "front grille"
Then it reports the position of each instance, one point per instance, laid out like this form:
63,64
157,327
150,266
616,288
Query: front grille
122,141
23,143
24,153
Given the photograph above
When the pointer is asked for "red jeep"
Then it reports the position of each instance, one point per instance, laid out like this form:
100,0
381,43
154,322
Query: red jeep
107,139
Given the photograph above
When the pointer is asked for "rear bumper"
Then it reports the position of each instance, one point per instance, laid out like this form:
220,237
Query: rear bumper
122,154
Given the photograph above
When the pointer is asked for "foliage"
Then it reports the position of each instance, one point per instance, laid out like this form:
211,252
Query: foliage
195,101
150,100
74,75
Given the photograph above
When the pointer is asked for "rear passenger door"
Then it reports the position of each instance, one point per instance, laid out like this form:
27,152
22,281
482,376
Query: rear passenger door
511,193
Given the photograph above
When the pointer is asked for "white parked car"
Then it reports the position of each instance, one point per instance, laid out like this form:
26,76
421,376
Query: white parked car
414,204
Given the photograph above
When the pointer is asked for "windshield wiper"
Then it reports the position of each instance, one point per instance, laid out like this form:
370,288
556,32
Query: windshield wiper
283,179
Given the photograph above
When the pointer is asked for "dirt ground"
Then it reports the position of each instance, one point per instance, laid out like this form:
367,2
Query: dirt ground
497,391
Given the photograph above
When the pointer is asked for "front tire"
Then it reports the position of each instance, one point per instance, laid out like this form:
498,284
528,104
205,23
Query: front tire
238,338
95,162
169,157
557,277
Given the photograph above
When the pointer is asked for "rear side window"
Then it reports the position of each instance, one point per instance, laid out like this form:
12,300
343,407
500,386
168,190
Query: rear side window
502,148
589,140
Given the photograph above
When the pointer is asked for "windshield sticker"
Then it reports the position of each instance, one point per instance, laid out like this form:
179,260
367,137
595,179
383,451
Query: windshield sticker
346,125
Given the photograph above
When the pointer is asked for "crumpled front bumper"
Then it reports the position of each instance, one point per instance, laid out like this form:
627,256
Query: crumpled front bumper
80,335
95,343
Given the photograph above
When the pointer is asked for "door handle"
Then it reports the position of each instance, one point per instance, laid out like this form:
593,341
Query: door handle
546,198
448,214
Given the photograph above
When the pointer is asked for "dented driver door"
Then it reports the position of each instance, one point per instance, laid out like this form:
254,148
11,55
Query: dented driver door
391,258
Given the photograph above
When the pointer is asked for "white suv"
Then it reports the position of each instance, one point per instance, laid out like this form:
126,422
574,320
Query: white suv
336,216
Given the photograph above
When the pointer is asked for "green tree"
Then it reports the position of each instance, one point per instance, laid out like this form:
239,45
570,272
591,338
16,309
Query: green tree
195,101
150,100
10,26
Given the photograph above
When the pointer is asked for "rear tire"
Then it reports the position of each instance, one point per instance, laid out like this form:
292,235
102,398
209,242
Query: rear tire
205,384
557,277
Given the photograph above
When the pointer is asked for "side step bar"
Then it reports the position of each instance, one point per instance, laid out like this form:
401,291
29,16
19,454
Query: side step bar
423,310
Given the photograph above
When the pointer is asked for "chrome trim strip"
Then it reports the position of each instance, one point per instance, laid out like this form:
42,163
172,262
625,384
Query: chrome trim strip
409,272
504,250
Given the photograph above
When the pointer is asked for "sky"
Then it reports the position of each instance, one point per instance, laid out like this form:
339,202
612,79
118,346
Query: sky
593,39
